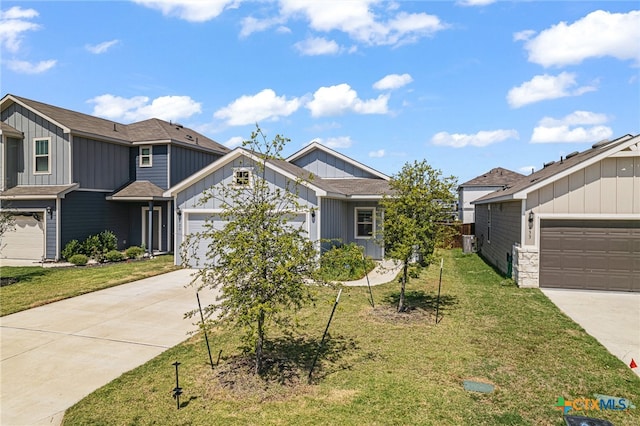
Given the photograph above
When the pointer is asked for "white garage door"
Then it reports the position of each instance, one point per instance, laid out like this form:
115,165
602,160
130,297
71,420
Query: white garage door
26,241
196,222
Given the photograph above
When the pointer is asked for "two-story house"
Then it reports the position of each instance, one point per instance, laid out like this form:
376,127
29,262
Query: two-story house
66,175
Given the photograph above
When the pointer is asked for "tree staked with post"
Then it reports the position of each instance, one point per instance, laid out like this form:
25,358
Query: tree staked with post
416,216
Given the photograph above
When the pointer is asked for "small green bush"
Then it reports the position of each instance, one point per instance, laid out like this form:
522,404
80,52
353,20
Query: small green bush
134,252
108,241
345,263
71,248
114,256
92,247
79,259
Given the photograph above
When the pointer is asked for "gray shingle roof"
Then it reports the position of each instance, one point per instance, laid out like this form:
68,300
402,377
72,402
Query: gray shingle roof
29,191
552,169
140,190
9,131
494,177
143,131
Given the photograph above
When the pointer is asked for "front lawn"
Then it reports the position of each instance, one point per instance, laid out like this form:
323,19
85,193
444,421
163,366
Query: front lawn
380,368
37,286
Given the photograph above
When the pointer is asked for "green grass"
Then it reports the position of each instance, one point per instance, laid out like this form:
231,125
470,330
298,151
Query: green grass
379,368
38,286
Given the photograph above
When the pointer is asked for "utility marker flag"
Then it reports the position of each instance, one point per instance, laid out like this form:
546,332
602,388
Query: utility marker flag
633,364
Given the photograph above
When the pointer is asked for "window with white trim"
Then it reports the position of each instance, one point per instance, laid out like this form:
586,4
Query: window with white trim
41,156
146,156
242,176
365,222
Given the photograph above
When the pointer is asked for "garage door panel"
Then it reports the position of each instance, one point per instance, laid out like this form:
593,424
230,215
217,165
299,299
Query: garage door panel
593,255
25,241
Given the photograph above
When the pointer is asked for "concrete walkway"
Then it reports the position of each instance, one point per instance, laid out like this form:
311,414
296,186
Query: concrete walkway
613,318
385,271
54,355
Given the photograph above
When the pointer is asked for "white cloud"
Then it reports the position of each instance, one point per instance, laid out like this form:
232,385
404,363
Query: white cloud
357,19
191,10
377,154
316,46
523,35
234,142
577,127
392,81
480,139
101,47
261,106
339,99
336,142
25,67
138,108
475,2
543,87
598,34
252,25
13,24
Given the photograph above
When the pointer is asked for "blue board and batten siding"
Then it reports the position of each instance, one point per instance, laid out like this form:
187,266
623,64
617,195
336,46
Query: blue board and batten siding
34,126
329,166
185,162
157,173
100,165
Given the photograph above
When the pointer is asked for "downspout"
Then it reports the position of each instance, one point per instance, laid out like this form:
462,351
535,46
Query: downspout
150,229
58,203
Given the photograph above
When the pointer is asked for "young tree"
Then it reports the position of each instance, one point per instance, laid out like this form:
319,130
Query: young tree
7,223
415,215
261,263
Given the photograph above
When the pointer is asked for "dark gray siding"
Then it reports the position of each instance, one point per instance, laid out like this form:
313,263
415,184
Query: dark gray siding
494,245
86,213
100,165
185,162
158,172
34,126
326,165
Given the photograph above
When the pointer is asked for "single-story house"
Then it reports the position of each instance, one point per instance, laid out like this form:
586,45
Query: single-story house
573,224
340,196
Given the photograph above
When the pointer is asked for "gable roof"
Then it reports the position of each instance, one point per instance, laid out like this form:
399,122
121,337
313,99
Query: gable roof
95,127
9,131
341,188
318,146
554,171
140,190
495,177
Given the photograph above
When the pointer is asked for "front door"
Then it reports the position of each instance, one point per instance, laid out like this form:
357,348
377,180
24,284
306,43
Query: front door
156,225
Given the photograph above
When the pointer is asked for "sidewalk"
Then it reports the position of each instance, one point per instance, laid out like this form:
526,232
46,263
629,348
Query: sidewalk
384,272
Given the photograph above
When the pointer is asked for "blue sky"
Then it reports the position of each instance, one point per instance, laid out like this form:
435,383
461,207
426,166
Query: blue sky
466,85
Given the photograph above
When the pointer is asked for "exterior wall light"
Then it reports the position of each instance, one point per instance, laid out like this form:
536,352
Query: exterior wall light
531,219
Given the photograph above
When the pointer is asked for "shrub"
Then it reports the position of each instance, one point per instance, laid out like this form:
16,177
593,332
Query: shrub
114,256
134,252
79,259
345,263
108,241
71,248
97,246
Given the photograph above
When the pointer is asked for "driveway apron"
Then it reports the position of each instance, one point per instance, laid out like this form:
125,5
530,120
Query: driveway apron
613,318
54,355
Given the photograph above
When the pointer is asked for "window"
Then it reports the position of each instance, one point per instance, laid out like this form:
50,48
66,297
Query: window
42,159
365,222
145,156
241,177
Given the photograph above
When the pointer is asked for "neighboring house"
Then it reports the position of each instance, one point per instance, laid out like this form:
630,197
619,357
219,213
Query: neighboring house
340,196
67,175
494,180
573,224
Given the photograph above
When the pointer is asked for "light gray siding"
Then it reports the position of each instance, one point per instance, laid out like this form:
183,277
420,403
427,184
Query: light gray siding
497,231
326,165
185,162
100,165
34,126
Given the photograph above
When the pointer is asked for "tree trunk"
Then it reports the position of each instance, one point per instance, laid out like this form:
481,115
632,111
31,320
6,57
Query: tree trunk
405,269
260,342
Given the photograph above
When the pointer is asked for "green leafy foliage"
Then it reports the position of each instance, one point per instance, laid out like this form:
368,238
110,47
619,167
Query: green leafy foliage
114,256
415,216
345,263
71,248
260,261
134,252
94,246
79,259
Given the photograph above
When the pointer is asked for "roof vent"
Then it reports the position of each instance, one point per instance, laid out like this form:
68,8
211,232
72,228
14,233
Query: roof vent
189,137
602,143
571,154
178,126
548,164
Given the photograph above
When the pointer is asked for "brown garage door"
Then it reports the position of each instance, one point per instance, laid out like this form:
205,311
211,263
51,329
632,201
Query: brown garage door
590,254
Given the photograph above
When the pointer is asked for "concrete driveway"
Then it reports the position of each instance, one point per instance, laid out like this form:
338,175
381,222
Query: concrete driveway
613,318
54,355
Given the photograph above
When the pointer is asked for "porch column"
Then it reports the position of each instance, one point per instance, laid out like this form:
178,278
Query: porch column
150,229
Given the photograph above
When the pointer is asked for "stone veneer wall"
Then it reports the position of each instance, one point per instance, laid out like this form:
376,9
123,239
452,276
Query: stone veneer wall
526,261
